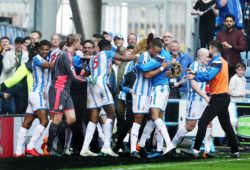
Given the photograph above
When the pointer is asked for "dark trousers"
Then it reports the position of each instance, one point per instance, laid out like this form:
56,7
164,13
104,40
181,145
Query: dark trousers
78,94
172,115
21,100
126,126
206,35
120,116
79,101
218,106
8,106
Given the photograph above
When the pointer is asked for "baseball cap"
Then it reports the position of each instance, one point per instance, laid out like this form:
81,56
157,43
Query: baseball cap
106,32
118,36
19,40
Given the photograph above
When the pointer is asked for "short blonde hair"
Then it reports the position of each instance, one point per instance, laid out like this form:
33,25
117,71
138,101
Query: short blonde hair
72,38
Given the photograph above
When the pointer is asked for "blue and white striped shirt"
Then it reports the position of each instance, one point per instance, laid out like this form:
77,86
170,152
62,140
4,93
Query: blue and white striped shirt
156,62
192,94
40,75
142,85
99,65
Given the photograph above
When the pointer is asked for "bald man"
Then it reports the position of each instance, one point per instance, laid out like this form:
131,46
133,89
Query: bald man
167,39
196,103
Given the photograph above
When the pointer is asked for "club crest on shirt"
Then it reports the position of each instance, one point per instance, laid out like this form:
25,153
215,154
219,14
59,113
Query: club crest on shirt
60,107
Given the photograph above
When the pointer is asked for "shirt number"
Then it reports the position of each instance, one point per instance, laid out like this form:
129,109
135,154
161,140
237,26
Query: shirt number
95,62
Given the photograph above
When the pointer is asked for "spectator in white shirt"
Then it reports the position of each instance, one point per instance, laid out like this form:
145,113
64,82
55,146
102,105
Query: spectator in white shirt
237,84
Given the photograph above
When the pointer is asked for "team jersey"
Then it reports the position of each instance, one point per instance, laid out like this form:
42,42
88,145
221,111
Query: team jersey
99,65
154,63
217,75
142,85
40,75
52,57
192,94
53,54
63,72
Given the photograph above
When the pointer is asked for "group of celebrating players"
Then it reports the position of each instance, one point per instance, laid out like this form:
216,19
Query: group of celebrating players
51,91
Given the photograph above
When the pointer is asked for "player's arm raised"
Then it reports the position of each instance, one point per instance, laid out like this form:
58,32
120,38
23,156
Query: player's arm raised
71,70
42,63
48,64
152,73
125,58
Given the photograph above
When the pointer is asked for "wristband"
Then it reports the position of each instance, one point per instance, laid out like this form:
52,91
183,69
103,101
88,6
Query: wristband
161,68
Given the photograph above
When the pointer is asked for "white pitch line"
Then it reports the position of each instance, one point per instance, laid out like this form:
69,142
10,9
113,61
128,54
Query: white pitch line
174,164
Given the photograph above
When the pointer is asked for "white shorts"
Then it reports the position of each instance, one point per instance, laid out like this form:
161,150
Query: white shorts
36,102
122,96
98,96
195,109
46,91
140,104
159,97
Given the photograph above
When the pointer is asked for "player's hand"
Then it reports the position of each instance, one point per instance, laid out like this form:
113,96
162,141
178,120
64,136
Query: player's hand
131,91
6,95
52,64
82,72
225,44
164,64
189,71
207,99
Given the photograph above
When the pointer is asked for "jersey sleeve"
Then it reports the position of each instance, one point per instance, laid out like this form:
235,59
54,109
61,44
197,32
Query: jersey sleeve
124,83
109,53
151,65
167,56
77,62
191,66
194,66
20,73
38,61
211,73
